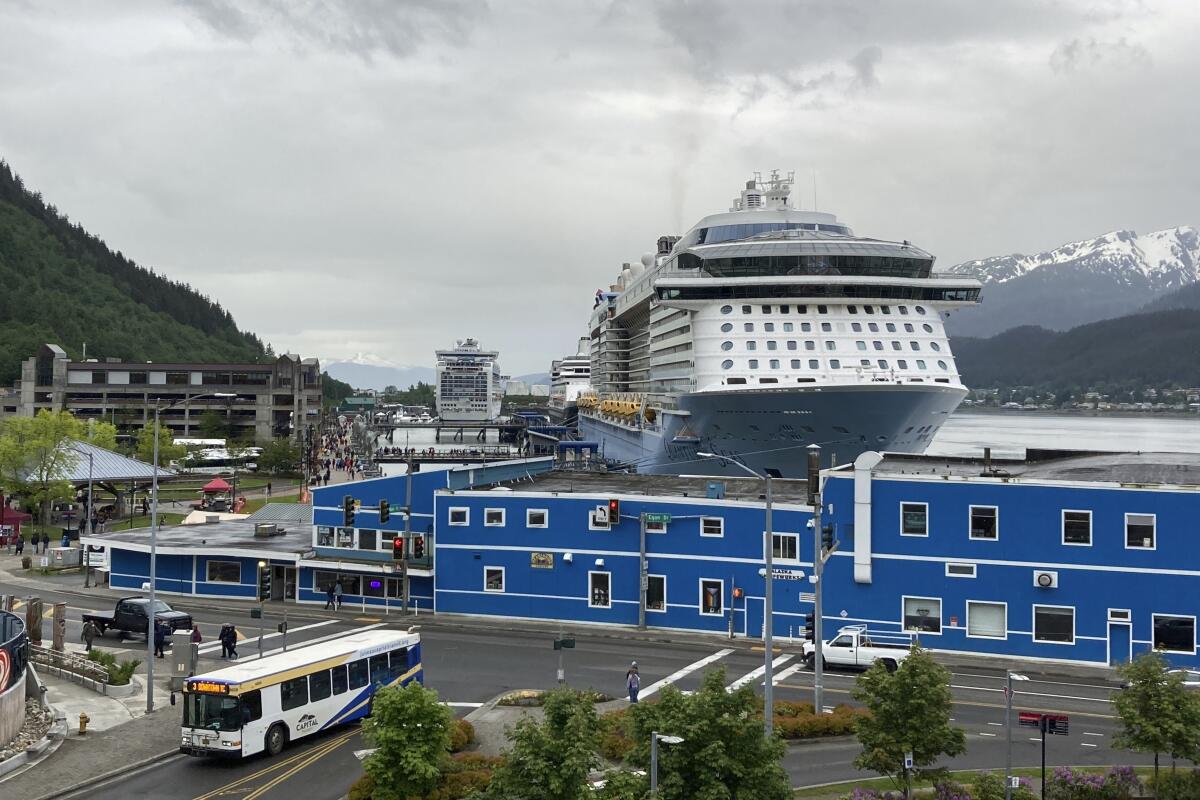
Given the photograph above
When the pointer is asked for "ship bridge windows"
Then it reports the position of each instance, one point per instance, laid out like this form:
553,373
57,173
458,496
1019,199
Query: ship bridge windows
824,290
743,266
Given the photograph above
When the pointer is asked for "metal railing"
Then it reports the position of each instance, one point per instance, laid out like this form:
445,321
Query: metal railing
70,665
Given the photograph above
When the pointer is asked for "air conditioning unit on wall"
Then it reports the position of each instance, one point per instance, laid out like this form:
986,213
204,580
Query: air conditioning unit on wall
1043,579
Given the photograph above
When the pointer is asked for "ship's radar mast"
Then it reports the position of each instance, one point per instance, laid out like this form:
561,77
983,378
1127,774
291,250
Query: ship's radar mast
770,194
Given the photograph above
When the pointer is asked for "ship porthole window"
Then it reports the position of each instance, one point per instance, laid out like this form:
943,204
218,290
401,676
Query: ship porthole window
935,346
726,345
835,363
727,364
942,364
814,364
754,363
928,328
903,310
726,309
795,363
920,310
726,327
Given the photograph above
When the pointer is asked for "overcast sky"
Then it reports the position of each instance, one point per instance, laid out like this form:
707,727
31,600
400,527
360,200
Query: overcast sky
383,177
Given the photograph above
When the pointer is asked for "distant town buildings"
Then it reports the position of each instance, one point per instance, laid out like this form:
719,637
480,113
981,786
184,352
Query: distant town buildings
270,399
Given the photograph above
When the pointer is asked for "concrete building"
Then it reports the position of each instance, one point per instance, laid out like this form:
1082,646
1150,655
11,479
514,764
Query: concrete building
274,398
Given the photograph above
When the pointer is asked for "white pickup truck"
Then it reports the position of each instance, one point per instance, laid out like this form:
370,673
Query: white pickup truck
855,646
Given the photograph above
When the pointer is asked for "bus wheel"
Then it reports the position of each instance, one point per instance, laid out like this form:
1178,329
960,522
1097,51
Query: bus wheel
276,739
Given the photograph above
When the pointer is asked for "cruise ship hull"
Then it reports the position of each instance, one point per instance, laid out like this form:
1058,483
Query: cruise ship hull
771,429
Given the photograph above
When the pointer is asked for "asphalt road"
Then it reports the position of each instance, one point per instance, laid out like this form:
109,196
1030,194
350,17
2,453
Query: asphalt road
471,666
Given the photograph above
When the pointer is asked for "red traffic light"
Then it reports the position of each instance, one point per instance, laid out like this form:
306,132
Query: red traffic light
738,593
398,548
614,509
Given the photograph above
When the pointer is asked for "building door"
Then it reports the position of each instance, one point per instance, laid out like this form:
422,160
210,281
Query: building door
1120,640
751,623
283,582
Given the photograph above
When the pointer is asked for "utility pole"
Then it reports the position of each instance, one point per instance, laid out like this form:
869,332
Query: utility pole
643,580
814,499
407,538
769,622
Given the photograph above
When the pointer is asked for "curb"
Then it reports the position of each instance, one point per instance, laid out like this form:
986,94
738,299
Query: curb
107,776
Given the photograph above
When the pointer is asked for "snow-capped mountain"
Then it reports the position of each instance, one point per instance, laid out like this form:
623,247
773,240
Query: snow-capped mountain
369,371
1109,276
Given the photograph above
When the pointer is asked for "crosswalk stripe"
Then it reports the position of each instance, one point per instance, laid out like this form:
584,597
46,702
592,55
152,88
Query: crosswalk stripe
321,639
787,673
464,705
757,673
689,669
215,646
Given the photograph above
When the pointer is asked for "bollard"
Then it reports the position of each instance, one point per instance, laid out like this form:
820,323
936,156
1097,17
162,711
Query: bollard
84,719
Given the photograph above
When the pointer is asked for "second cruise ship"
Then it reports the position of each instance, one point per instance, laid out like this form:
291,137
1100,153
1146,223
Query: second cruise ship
470,387
765,330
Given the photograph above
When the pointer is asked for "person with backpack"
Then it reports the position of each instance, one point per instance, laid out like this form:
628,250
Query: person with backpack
228,639
160,639
633,682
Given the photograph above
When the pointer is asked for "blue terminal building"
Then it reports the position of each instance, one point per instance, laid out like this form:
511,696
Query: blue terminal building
1086,558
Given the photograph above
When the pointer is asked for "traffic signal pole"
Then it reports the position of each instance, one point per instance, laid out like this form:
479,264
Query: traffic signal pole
407,537
643,578
814,499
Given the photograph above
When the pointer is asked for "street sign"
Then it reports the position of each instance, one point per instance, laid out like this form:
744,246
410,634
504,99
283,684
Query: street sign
787,574
663,518
1056,724
908,760
1030,719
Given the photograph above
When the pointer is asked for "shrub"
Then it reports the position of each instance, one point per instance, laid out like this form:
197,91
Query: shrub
1178,785
949,790
362,789
990,786
121,674
615,739
462,735
859,793
1119,783
788,708
811,726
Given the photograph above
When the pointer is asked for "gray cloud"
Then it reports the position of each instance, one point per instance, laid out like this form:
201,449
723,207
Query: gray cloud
388,177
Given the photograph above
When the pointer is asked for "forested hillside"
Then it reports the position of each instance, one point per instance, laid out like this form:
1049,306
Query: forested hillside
60,284
1140,350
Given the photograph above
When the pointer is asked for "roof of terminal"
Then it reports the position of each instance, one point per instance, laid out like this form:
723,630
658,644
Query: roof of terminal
1173,469
620,483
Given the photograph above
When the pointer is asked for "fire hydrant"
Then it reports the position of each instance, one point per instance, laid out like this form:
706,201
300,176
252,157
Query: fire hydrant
84,719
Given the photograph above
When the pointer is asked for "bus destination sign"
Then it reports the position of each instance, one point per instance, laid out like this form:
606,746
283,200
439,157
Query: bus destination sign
209,687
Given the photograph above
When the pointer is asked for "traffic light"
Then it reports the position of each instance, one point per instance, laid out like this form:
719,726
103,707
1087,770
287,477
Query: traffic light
385,511
398,548
264,583
347,512
810,627
614,511
826,537
418,546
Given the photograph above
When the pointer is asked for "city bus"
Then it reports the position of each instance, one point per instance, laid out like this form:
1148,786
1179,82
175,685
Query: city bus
260,705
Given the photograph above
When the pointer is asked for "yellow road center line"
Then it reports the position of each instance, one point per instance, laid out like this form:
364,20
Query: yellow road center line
313,758
273,767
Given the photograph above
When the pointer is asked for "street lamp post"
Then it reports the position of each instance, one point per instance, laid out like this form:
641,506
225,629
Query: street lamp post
655,738
87,570
158,407
768,605
1010,676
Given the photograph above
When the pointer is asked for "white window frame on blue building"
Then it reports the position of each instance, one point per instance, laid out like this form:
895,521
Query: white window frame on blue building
1003,627
904,614
1153,531
777,552
1154,632
466,516
1033,631
529,523
719,612
489,520
925,506
1066,511
995,537
649,607
973,573
658,526
708,528
488,569
591,589
208,575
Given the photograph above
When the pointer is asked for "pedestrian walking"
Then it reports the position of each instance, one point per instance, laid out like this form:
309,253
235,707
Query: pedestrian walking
160,639
20,544
329,598
196,637
45,542
228,639
337,593
89,634
633,682
268,488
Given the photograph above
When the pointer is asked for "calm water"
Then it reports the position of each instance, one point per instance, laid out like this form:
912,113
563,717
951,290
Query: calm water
1008,434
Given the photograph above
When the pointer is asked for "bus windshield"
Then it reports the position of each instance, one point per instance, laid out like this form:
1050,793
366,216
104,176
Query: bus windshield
212,712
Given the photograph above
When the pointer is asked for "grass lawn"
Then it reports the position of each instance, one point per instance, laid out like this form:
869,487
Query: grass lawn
1034,774
255,503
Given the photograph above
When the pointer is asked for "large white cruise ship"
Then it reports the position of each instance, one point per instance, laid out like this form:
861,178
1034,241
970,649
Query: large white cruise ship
570,376
469,383
765,330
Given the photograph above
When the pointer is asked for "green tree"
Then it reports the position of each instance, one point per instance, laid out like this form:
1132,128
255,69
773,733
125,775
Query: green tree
1157,713
36,455
212,425
724,754
280,455
551,759
410,730
168,451
910,711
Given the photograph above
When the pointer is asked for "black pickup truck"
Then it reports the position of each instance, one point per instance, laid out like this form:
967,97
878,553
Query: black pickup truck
130,616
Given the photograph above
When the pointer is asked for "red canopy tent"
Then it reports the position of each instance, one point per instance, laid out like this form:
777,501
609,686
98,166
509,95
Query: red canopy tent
216,485
10,516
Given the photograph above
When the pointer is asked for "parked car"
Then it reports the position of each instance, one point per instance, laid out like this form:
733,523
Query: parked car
130,616
855,646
